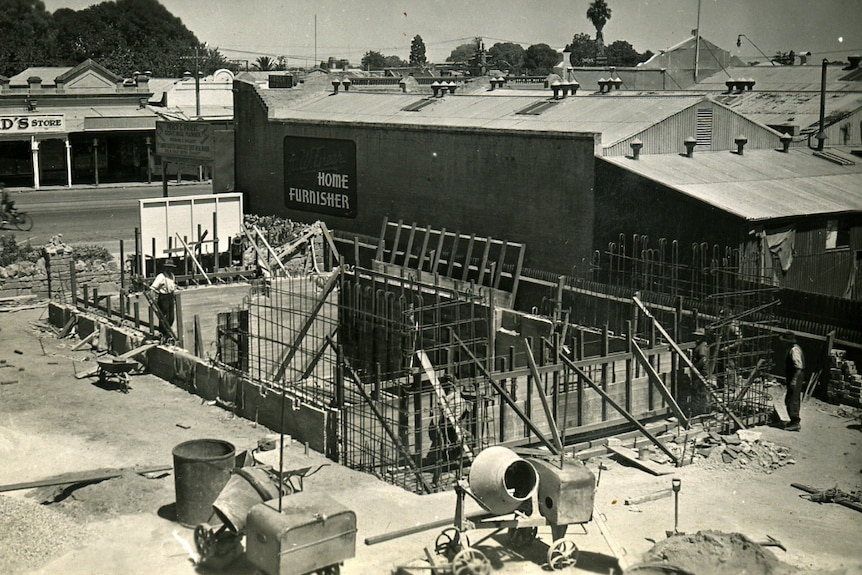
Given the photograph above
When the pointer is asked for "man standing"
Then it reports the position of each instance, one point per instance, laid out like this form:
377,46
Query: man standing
794,366
165,286
700,354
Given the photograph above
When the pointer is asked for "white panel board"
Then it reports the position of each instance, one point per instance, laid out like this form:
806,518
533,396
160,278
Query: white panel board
163,219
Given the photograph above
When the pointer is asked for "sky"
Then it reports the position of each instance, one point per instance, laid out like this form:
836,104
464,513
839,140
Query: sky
312,30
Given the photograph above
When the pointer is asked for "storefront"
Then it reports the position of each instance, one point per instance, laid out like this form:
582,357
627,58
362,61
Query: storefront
81,125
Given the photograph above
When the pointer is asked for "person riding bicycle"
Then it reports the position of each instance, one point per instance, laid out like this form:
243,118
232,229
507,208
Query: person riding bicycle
6,204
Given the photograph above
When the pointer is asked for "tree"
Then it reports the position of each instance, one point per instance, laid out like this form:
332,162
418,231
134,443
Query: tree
393,62
621,53
28,35
507,56
417,52
599,13
464,53
540,59
264,64
582,50
373,61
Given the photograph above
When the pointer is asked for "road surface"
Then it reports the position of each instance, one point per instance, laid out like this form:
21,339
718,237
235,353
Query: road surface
103,215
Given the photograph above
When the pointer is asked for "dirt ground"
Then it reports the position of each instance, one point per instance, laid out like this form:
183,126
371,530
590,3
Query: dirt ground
53,423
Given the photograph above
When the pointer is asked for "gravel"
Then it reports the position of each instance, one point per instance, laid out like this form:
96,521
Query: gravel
32,534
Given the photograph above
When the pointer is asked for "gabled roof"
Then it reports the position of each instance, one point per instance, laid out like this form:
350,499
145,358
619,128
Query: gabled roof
47,73
709,52
88,73
85,67
759,185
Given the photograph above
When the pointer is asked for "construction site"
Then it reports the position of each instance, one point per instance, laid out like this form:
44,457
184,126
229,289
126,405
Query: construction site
422,402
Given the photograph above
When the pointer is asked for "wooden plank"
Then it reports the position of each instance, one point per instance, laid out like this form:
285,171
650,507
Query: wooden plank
646,464
381,245
408,255
552,424
496,280
441,397
452,254
468,257
87,339
632,419
484,263
686,360
438,251
82,477
657,381
396,241
191,254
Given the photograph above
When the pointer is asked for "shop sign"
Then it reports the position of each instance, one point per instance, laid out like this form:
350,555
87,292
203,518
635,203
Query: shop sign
32,124
320,176
190,142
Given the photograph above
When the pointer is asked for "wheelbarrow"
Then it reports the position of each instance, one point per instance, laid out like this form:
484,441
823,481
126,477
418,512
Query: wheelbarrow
115,370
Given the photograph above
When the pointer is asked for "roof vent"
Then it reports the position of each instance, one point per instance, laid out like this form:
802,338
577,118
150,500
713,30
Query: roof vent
435,87
740,142
403,83
346,83
452,86
785,142
690,144
555,86
34,82
636,148
335,84
853,62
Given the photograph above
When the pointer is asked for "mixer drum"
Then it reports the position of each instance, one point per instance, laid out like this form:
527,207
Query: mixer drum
501,481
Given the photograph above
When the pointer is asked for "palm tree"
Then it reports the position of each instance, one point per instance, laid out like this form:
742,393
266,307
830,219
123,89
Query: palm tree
264,64
599,13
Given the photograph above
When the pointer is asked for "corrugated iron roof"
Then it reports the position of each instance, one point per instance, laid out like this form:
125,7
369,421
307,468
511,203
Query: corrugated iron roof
616,116
47,73
792,108
781,78
759,185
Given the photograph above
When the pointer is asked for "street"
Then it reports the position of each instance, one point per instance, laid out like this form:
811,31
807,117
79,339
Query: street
103,215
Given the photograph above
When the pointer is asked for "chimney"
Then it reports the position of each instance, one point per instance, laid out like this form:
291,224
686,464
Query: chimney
785,142
853,62
335,84
555,86
740,142
749,84
690,143
346,83
636,148
574,87
403,84
602,85
435,87
617,82
564,89
34,82
452,86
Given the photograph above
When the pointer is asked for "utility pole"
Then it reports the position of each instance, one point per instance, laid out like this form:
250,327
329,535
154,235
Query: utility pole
697,44
197,86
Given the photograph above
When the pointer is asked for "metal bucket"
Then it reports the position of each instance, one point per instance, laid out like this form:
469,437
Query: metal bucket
246,487
201,470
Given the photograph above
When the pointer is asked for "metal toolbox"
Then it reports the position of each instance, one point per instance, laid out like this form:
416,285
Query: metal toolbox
313,532
565,494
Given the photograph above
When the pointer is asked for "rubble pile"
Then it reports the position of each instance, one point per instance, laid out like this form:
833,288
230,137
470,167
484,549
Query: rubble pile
743,449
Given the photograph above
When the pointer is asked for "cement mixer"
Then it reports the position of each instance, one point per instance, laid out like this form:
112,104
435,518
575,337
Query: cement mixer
519,494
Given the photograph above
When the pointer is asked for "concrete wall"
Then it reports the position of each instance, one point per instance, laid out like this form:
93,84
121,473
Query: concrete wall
206,303
305,423
529,187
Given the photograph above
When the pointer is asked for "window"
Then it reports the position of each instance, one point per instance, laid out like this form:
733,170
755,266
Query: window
837,234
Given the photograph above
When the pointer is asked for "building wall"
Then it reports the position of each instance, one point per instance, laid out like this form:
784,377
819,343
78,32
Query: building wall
834,271
629,204
529,187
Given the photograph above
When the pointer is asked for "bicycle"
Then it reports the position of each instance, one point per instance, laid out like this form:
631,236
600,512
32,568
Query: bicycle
21,220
